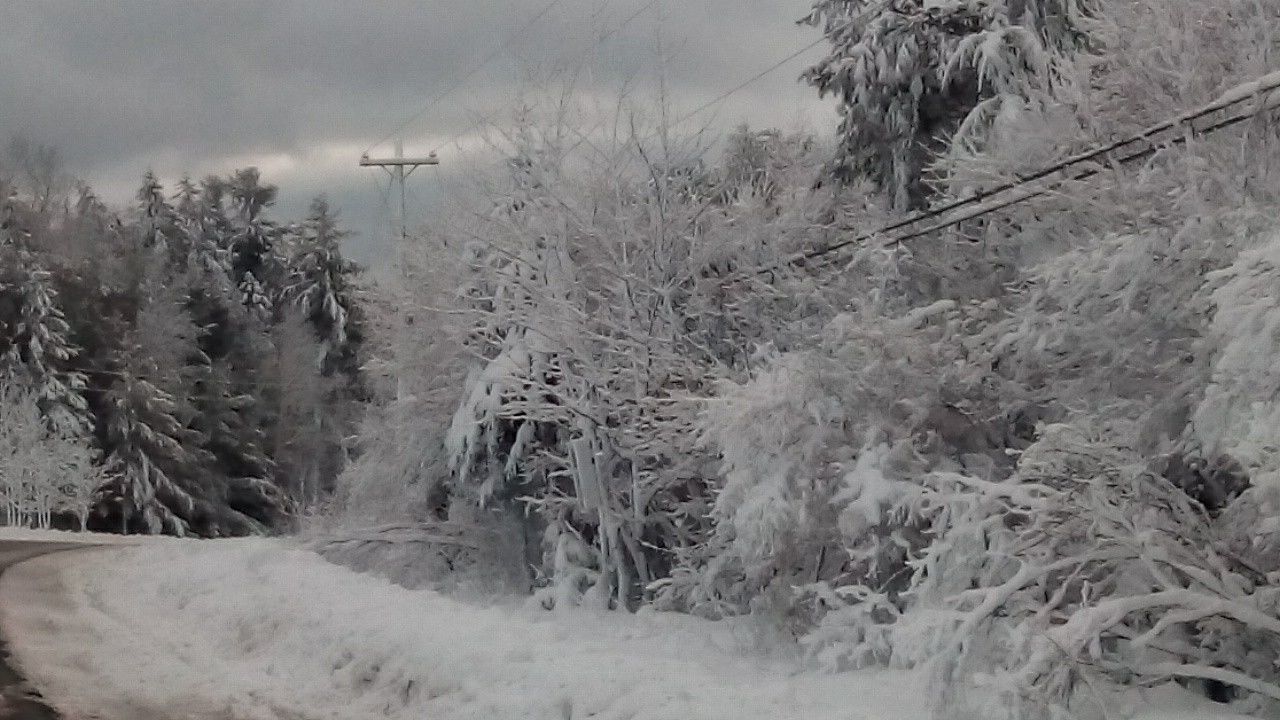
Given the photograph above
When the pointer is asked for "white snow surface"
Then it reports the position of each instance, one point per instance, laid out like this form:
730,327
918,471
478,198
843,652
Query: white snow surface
265,630
79,538
256,629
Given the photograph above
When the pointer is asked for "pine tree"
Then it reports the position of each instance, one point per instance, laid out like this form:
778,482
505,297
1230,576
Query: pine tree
255,299
150,465
911,75
320,282
35,342
231,408
170,477
224,419
158,220
253,239
12,234
210,232
214,298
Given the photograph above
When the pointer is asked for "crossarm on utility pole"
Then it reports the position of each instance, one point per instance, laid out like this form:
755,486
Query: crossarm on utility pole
399,167
366,161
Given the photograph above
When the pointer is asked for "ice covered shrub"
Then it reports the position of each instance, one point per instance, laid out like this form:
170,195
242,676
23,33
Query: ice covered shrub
819,449
1083,570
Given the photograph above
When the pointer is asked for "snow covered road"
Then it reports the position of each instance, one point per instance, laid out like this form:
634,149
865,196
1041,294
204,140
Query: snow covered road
257,630
17,702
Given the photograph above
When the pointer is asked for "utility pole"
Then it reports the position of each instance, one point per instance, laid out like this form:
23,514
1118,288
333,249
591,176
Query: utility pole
399,167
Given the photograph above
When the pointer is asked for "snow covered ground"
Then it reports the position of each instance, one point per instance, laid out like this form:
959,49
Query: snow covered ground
253,629
79,538
261,630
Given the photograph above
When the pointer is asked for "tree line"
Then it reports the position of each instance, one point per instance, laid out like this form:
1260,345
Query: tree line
186,366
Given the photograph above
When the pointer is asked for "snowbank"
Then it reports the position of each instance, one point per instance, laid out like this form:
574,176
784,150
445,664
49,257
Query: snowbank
254,629
83,538
261,630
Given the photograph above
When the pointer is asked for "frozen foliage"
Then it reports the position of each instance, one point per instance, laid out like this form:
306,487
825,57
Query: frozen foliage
39,348
1032,455
43,470
139,345
910,75
319,282
1239,413
597,306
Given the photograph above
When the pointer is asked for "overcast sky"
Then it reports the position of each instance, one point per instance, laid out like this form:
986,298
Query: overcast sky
301,87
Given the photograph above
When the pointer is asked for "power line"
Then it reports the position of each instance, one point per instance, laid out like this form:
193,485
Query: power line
470,73
761,74
685,117
486,118
1268,84
751,80
866,13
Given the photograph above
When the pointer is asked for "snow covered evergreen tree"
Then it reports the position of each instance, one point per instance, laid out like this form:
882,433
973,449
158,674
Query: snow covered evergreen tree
321,282
35,342
254,265
256,299
911,75
160,225
169,465
153,472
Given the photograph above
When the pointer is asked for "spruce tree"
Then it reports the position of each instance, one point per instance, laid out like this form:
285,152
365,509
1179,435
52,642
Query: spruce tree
210,232
224,420
231,404
321,284
35,343
149,463
255,299
910,75
254,266
42,352
157,218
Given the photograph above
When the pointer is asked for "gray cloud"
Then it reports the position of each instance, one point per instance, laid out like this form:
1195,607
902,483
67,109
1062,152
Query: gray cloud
299,87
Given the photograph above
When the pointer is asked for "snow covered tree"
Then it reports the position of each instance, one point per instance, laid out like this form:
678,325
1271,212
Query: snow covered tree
597,304
35,341
21,432
42,470
162,476
306,434
205,220
81,475
415,374
321,282
229,421
254,265
912,75
151,465
38,176
255,298
159,224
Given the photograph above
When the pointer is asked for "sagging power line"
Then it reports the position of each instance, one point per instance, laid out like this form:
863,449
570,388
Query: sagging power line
487,118
495,54
1178,130
761,74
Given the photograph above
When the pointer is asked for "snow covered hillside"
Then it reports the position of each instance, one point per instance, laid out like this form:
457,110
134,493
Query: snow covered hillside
256,630
260,630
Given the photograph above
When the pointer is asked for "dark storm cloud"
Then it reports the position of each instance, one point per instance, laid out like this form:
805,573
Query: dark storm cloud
301,86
